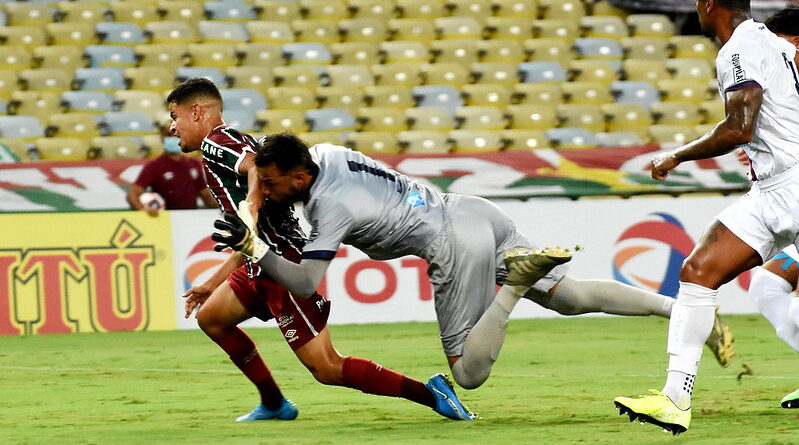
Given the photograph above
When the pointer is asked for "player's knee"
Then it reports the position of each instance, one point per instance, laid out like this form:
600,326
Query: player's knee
696,270
325,373
210,324
470,378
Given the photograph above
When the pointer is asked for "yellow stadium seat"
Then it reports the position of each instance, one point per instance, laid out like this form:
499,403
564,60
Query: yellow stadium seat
510,28
645,70
312,138
562,9
424,142
262,31
651,48
350,76
378,9
317,31
162,55
152,145
676,113
181,11
118,147
469,8
455,51
515,8
713,111
694,69
46,79
149,103
16,57
345,97
699,47
532,117
373,142
458,28
152,78
9,81
594,71
552,28
493,94
652,25
501,50
549,50
220,55
627,117
537,92
297,76
81,11
260,54
412,29
479,117
703,129
28,13
23,36
388,96
683,90
476,141
171,32
66,57
75,125
604,27
495,73
397,74
356,53
605,8
404,51
672,134
323,10
62,149
516,139
381,119
40,104
71,33
278,121
18,147
366,29
453,74
250,77
133,12
429,119
420,9
587,93
581,116
277,10
222,31
291,98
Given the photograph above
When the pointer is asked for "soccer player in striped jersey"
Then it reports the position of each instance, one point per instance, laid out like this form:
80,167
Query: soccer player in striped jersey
239,291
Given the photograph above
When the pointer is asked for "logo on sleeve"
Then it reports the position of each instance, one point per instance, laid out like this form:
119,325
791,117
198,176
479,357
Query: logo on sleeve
737,72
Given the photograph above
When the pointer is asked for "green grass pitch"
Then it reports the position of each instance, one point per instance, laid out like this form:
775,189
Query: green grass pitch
554,383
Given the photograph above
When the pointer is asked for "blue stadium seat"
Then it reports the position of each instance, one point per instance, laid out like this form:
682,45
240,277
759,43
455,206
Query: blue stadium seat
250,101
241,120
223,32
87,101
212,74
323,119
110,56
229,10
101,79
22,127
595,48
571,137
121,123
542,72
437,96
635,92
307,52
119,33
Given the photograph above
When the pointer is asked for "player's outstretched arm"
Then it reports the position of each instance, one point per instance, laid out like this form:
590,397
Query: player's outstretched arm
736,129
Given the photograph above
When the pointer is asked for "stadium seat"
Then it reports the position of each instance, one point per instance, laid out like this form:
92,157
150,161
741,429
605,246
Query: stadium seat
99,79
319,31
571,138
213,55
355,53
352,76
15,57
567,30
509,28
373,142
71,33
517,139
279,121
537,92
397,74
169,56
74,125
87,101
321,137
478,117
249,77
229,11
596,48
501,51
455,51
437,96
260,54
643,70
345,97
646,48
672,134
388,96
270,32
635,92
458,28
365,29
16,148
149,78
532,117
39,104
222,32
581,116
297,76
290,98
119,33
378,9
109,56
541,72
699,47
515,8
452,74
420,9
9,81
683,90
412,29
429,119
23,36
695,69
676,113
118,147
28,13
651,25
404,52
475,141
330,119
713,111
618,139
606,8
45,79
548,50
628,117
171,32
152,145
586,93
250,101
494,94
148,103
66,57
241,120
323,10
21,127
81,11
181,10
604,27
381,119
307,53
424,142
138,13
277,10
478,9
62,149
602,71
562,9
121,123
213,74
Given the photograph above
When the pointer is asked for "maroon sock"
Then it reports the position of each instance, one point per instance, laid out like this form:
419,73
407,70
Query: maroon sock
371,378
242,352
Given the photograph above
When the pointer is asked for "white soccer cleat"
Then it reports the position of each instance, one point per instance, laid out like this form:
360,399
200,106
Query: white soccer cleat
526,266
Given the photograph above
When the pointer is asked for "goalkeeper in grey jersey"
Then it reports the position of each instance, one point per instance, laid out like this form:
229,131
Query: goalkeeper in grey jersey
469,243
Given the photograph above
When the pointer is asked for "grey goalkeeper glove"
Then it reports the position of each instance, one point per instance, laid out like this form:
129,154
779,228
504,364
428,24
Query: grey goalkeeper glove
237,232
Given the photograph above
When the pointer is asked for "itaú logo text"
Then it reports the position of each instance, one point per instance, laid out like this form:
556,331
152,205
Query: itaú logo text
61,290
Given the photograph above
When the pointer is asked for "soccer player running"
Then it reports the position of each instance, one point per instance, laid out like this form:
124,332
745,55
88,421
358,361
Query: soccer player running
773,285
759,84
469,243
239,291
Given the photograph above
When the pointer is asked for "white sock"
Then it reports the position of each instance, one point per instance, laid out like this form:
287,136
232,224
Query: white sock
773,298
484,341
690,325
572,297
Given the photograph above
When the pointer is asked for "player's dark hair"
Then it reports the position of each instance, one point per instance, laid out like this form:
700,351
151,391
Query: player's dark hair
194,89
740,5
286,151
785,21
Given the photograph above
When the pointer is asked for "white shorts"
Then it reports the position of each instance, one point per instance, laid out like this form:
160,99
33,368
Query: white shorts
767,218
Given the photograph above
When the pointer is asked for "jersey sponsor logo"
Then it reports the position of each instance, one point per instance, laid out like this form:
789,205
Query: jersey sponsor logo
285,320
291,335
314,230
738,73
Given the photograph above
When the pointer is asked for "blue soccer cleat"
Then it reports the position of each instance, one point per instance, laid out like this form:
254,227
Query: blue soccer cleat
447,403
287,411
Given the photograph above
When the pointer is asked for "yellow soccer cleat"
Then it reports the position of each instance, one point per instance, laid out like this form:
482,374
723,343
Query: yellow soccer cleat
526,266
720,341
656,409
